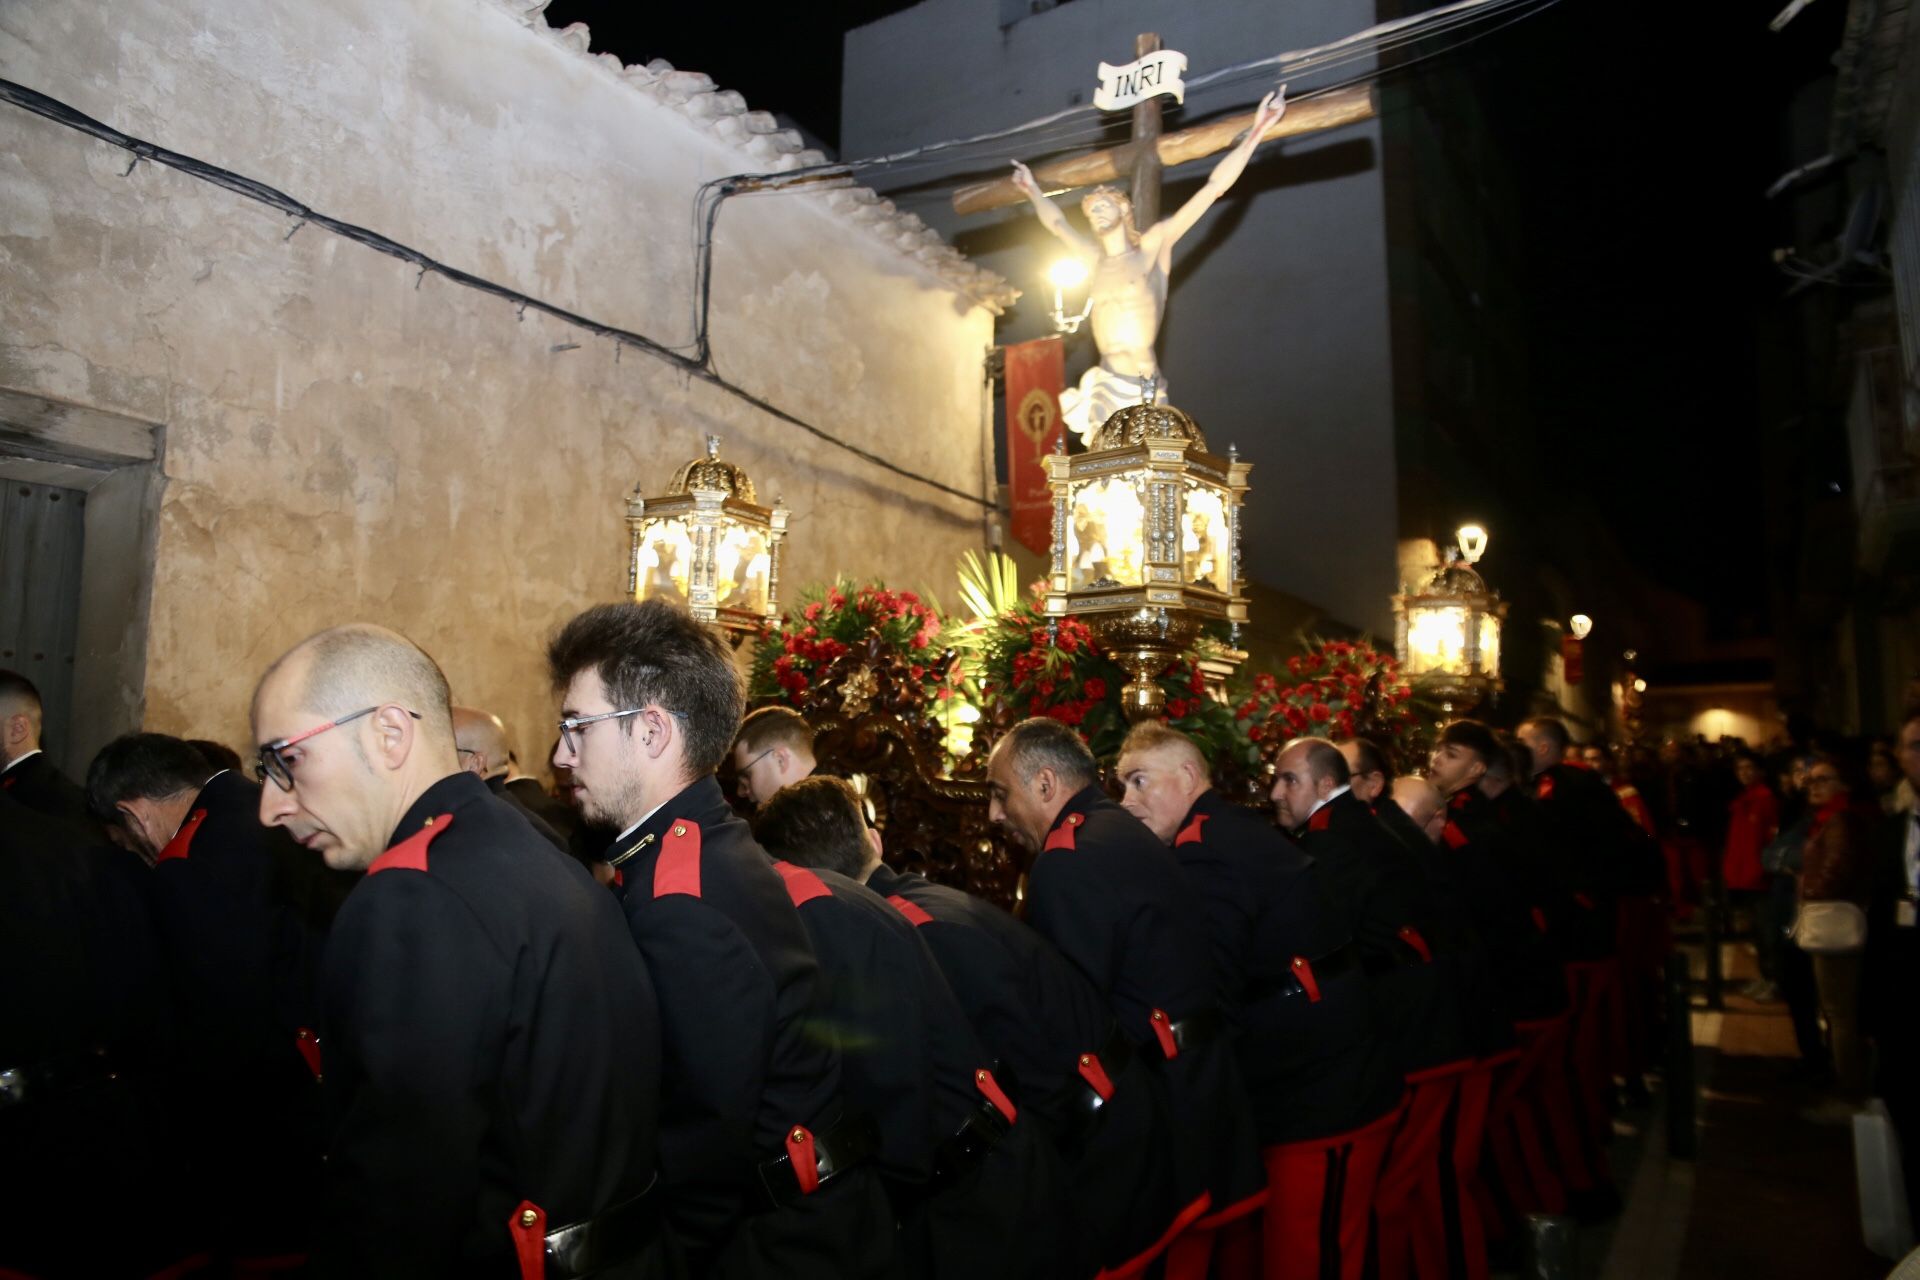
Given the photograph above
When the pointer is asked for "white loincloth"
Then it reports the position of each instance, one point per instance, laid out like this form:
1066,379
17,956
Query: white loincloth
1101,394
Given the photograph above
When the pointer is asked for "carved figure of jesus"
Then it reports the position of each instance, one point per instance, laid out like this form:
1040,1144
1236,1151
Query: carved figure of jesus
1128,277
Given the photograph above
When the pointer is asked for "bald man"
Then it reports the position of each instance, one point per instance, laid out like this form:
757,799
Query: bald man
489,1034
1423,804
480,742
1323,1085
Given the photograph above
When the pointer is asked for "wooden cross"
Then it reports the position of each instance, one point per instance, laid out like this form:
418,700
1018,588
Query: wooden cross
1149,151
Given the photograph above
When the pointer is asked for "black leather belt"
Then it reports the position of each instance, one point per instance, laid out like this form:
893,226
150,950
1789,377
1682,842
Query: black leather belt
1106,1065
849,1143
1199,1027
1294,984
978,1136
606,1240
1408,947
33,1081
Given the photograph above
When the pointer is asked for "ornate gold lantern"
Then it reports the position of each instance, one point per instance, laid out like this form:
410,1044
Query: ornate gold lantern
1146,542
1447,634
708,545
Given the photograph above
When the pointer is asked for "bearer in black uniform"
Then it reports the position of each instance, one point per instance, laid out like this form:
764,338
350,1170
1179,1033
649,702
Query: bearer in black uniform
25,772
81,1025
1063,1062
1112,899
241,913
1381,893
970,1174
480,740
765,1172
1314,1065
489,1037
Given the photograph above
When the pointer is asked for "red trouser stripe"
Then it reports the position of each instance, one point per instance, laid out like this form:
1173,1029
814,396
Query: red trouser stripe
1408,1199
1140,1261
1319,1198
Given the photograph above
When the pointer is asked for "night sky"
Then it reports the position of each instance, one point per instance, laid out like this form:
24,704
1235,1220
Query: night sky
1643,132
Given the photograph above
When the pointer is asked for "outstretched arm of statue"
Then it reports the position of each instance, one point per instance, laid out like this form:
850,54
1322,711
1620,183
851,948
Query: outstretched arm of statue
1168,230
1050,216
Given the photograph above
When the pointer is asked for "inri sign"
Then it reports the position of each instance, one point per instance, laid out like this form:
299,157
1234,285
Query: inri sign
1157,73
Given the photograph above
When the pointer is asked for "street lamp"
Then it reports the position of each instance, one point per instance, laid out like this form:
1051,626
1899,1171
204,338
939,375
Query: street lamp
1067,274
707,545
1447,634
1146,542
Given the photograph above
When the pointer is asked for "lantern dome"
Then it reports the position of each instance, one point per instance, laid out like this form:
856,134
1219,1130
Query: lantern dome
712,474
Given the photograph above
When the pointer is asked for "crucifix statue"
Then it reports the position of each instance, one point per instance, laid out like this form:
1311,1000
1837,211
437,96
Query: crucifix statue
1131,250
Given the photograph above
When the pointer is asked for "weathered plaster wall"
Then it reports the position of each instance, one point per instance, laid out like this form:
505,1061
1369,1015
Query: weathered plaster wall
345,442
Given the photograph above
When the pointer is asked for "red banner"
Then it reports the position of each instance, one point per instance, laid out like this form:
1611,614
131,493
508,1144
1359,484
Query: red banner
1035,373
1572,659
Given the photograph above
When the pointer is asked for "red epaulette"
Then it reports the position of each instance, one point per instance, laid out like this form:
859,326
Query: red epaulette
1460,799
1544,789
1453,835
1062,837
912,911
182,841
1190,834
678,868
1320,819
802,885
411,854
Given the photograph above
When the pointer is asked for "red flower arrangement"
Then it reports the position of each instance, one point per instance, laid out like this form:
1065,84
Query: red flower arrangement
1336,689
831,621
1019,672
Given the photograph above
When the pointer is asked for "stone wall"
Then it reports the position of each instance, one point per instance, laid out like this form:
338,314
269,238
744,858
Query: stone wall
342,438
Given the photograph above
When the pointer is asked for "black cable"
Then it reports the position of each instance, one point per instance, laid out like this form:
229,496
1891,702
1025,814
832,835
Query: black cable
699,366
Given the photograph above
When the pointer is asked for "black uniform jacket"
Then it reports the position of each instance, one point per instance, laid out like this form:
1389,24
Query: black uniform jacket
1461,950
241,912
1378,888
1047,1028
558,814
1312,1061
1113,899
910,1059
516,797
1035,1013
490,1037
740,1004
84,1127
1586,828
1510,891
907,1054
36,783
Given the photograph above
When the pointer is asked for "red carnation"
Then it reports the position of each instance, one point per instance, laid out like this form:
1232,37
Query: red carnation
1293,666
1095,688
1319,712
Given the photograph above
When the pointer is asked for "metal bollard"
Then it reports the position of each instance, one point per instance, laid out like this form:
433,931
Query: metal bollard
1681,1138
1549,1248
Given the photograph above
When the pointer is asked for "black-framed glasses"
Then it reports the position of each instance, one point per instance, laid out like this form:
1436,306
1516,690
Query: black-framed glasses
273,763
571,726
747,768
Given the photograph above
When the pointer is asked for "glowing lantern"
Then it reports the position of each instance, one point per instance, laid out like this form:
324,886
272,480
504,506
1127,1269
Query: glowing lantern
1447,634
1146,542
707,545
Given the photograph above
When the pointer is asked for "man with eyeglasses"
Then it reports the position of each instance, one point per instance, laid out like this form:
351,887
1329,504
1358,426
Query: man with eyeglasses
766,1174
774,749
488,1036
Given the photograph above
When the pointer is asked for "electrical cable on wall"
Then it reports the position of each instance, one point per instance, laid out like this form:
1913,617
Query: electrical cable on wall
1056,132
305,215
